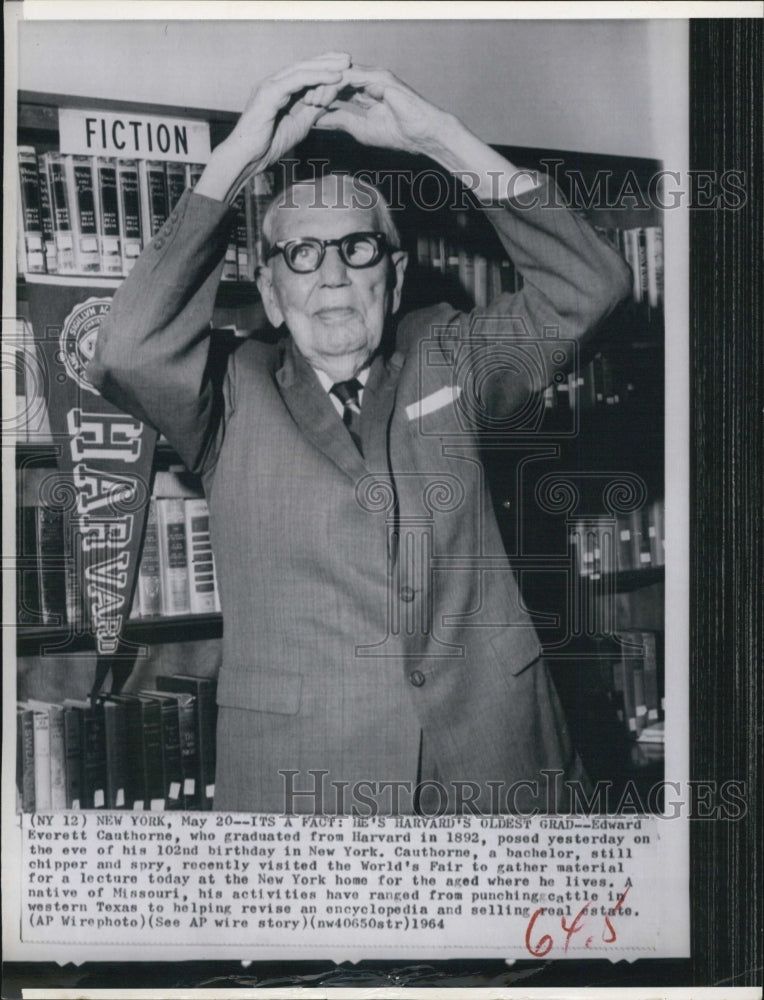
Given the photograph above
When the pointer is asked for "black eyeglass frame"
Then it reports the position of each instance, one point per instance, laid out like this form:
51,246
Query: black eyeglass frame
382,244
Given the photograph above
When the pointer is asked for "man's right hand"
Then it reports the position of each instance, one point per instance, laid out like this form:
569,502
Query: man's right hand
274,120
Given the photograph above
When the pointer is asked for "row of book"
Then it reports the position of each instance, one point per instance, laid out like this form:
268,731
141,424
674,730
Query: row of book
154,750
631,542
176,573
635,685
642,249
484,279
594,385
92,215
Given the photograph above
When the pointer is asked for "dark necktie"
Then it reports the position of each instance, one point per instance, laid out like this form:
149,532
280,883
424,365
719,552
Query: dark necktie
347,393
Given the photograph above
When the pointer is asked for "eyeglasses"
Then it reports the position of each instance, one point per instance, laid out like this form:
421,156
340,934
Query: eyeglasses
356,250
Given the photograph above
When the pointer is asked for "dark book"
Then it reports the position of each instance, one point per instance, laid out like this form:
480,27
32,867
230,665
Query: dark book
243,240
84,213
145,783
204,689
176,182
27,572
30,212
56,751
189,757
115,738
93,752
149,572
193,172
60,212
51,565
172,768
173,556
108,216
46,215
129,204
651,682
73,757
25,764
154,205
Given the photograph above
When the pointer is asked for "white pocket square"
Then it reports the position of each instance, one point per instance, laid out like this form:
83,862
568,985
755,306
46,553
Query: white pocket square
435,401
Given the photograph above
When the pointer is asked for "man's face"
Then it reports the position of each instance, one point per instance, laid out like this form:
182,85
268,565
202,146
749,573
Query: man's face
337,313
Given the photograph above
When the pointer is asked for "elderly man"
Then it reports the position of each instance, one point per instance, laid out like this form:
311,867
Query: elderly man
376,655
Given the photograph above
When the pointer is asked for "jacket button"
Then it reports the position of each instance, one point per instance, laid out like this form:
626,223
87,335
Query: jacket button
407,594
167,230
174,215
158,243
417,678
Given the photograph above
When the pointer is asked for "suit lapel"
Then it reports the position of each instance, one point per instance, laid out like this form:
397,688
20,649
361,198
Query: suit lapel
315,415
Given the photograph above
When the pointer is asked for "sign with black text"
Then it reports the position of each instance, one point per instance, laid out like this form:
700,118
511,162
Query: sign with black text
133,136
104,464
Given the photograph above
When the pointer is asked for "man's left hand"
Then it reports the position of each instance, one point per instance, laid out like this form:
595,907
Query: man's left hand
384,111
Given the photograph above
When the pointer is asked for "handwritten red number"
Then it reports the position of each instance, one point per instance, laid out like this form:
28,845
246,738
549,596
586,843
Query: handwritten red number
608,925
544,945
575,926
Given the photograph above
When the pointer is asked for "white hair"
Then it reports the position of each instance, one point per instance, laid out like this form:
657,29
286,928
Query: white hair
350,192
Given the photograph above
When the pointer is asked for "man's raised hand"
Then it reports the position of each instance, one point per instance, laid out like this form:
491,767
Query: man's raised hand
280,112
384,111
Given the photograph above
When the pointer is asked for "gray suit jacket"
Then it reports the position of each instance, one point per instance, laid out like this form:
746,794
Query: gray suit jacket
373,626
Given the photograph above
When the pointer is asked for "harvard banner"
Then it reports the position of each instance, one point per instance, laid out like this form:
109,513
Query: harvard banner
105,458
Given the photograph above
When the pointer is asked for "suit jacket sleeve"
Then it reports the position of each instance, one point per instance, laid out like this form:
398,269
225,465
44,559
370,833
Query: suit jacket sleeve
572,280
153,357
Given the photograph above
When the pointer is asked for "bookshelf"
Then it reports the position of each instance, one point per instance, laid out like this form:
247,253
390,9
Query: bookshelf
454,255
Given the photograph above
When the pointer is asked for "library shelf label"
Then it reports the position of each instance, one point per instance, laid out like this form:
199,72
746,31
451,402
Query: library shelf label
159,137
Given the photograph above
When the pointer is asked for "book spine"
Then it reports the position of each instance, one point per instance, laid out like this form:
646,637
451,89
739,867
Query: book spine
61,213
467,273
82,200
108,216
189,759
481,281
46,215
115,742
189,753
200,559
203,688
242,238
42,761
73,758
171,526
650,668
154,204
57,758
51,569
193,172
624,545
27,575
151,711
93,758
28,798
31,214
130,232
149,574
176,182
631,237
172,770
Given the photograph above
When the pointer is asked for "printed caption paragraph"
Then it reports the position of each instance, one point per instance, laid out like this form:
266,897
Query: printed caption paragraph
510,887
